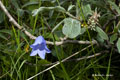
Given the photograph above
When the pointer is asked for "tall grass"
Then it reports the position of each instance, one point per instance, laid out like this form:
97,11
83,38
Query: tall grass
16,64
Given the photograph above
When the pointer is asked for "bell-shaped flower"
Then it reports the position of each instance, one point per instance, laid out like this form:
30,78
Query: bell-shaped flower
39,47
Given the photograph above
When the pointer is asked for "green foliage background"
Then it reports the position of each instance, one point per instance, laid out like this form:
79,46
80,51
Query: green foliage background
55,19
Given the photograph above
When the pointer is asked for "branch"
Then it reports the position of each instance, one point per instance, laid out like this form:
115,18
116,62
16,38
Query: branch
71,41
82,58
12,20
78,59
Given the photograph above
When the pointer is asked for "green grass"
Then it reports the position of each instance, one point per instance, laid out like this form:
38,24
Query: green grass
16,62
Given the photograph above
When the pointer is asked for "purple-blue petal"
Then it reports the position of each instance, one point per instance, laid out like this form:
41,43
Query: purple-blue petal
34,52
39,47
41,54
47,50
39,40
32,46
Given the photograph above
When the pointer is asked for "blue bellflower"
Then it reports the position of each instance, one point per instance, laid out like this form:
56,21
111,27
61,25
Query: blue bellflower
39,47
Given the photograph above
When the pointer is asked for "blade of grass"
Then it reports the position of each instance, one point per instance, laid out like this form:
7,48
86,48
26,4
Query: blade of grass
53,77
108,69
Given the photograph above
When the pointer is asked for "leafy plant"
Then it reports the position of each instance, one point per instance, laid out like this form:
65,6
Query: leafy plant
82,35
71,28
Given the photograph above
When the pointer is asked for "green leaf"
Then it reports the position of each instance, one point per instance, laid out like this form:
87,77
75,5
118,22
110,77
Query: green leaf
1,16
57,26
113,38
20,12
70,7
115,29
99,39
51,13
60,9
30,3
15,3
86,11
83,30
114,6
2,36
57,8
6,31
118,45
101,33
71,28
43,62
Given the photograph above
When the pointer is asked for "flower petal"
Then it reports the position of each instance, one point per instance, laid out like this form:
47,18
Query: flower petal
41,54
32,46
39,40
47,50
34,52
